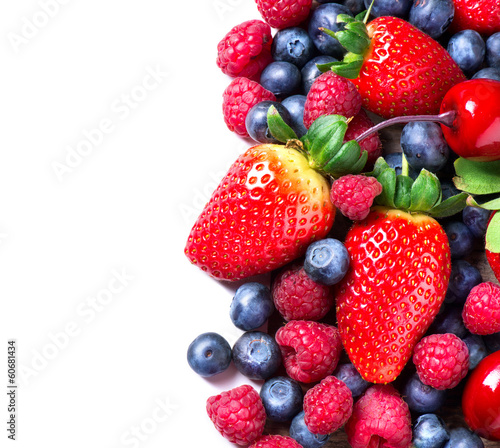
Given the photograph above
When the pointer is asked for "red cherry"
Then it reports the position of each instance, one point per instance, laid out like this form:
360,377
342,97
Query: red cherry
481,398
475,132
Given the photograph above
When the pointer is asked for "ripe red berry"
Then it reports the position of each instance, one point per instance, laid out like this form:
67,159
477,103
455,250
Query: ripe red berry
442,360
275,441
371,144
284,13
481,313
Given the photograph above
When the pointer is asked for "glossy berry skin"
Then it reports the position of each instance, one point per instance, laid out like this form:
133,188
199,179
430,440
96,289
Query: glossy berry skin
251,306
371,144
256,121
477,349
481,398
326,261
420,397
463,438
300,432
432,16
476,219
398,8
464,276
493,258
430,431
493,50
282,398
310,71
460,238
295,106
256,355
475,133
449,320
293,45
467,48
348,374
488,73
479,15
281,78
209,354
399,273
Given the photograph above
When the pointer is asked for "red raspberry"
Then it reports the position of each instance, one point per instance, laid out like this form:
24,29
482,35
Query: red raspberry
238,414
379,418
372,144
327,406
284,13
442,360
331,94
238,98
353,195
297,296
245,50
310,350
275,441
481,313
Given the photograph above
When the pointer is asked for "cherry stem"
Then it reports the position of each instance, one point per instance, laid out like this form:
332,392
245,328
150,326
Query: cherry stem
446,118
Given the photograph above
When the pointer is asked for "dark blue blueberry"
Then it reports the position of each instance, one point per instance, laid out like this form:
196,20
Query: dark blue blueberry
326,261
463,278
251,306
310,71
460,239
467,48
432,16
325,16
293,45
299,432
463,438
477,349
449,320
430,431
421,398
351,377
281,78
256,121
492,342
493,50
282,398
209,354
476,219
448,189
424,146
295,106
397,8
488,73
256,355
395,160
355,6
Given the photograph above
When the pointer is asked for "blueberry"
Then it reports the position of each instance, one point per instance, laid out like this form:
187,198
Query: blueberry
310,71
209,354
395,160
488,73
281,78
430,431
449,320
256,121
256,355
492,342
432,16
299,432
351,377
448,189
424,146
463,438
493,50
397,8
295,106
463,278
467,48
251,306
326,261
421,398
460,239
325,16
282,398
355,6
293,45
476,219
477,349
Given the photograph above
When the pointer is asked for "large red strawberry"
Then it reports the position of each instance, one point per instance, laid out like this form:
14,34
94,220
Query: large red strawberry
482,16
397,68
273,202
398,276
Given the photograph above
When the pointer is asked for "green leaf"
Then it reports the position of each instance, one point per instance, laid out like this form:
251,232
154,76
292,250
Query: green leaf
277,126
388,180
402,198
450,206
348,154
345,18
380,166
425,192
493,234
477,177
488,204
360,164
348,68
325,146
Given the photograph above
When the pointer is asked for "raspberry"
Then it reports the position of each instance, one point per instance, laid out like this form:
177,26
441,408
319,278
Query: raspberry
353,195
275,441
481,313
327,406
238,98
297,296
284,13
310,350
379,418
331,94
371,144
442,360
245,50
238,414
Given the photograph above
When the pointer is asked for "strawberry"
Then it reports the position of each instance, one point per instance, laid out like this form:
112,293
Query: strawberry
492,244
273,202
399,273
397,68
482,16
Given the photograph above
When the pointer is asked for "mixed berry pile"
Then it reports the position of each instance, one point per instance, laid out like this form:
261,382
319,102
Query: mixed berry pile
376,314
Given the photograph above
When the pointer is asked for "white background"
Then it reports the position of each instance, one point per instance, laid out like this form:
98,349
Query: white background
94,284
